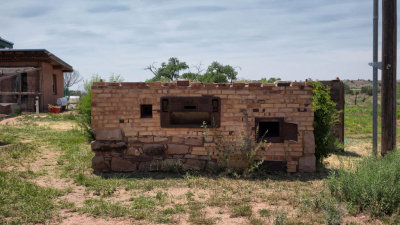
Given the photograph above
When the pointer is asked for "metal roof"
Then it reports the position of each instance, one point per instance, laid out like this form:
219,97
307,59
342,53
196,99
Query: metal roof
43,52
6,44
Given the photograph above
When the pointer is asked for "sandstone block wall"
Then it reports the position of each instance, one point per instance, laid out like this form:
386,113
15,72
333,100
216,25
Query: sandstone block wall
127,142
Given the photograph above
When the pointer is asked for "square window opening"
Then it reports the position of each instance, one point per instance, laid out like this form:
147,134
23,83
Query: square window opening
146,111
269,131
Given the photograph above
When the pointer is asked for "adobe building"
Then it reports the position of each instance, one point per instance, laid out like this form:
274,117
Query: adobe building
29,73
155,126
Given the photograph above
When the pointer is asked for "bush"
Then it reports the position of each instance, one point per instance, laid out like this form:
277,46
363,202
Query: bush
367,90
85,104
373,185
325,116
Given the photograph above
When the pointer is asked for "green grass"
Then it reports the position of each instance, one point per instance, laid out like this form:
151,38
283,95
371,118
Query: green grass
24,202
372,186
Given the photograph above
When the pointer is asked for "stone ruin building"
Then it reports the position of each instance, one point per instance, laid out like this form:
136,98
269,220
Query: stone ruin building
152,126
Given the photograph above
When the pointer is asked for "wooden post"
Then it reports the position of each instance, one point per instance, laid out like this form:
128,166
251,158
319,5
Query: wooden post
389,55
19,89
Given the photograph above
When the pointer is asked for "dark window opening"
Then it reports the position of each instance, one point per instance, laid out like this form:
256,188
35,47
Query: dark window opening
54,84
268,129
275,130
190,118
190,111
189,107
165,105
24,82
146,111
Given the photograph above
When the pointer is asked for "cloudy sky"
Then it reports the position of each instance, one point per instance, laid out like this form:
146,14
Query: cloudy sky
291,39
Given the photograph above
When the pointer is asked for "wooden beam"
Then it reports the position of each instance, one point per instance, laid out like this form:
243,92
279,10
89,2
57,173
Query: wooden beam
7,77
20,93
389,55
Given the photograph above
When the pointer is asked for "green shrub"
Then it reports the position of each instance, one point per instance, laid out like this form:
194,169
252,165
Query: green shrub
85,104
85,110
325,116
373,185
367,90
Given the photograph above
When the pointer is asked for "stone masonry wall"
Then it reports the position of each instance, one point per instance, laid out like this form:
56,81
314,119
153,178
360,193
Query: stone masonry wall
126,142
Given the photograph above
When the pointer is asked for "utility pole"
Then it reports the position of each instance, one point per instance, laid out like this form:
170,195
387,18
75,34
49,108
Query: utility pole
389,57
375,81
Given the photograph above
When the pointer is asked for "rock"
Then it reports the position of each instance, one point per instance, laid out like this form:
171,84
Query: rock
177,149
178,139
132,151
150,166
309,142
307,164
160,139
108,145
138,158
194,164
133,139
171,164
108,135
153,149
146,139
121,165
194,140
98,164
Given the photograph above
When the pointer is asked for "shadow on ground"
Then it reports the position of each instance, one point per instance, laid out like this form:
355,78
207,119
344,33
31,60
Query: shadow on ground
322,173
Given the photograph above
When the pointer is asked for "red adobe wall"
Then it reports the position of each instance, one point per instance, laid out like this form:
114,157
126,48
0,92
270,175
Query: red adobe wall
47,85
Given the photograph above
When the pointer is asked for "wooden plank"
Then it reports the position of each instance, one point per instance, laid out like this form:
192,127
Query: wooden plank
20,93
389,55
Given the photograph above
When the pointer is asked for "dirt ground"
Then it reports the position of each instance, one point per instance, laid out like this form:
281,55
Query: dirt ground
279,195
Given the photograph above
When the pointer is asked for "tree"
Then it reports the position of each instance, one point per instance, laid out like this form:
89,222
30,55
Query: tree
216,72
270,80
168,70
72,78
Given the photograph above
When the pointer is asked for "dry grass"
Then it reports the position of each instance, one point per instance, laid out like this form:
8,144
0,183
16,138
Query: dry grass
62,162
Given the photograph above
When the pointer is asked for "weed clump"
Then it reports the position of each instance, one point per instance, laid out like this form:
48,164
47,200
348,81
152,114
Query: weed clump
373,185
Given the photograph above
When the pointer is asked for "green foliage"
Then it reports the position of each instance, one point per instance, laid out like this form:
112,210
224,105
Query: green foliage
242,210
191,76
264,212
218,73
347,89
215,73
270,80
25,202
16,112
238,145
373,185
366,90
85,104
169,71
280,217
325,116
